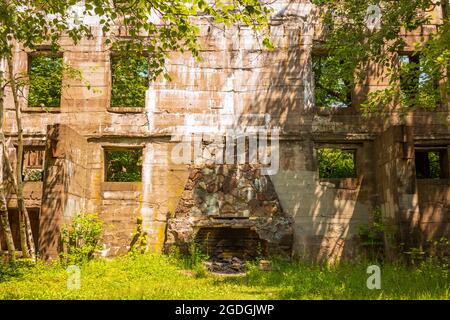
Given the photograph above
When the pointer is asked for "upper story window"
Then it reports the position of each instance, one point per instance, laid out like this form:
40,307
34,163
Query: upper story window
33,163
45,73
418,86
123,165
336,163
331,88
130,80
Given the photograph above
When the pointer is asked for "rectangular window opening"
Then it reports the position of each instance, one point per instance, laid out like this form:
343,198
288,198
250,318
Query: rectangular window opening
336,163
129,80
33,163
430,164
45,71
123,165
418,85
332,89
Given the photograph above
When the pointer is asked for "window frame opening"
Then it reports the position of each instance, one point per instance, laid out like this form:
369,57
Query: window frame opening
52,78
34,172
123,90
340,176
430,163
107,174
346,101
413,80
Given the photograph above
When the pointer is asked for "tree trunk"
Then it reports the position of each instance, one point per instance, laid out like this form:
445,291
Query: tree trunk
4,219
26,235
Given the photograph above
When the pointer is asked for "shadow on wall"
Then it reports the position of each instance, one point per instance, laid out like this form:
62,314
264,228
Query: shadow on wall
434,207
55,190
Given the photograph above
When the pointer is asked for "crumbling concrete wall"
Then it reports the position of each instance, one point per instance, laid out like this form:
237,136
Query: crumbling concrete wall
327,212
434,220
415,210
236,78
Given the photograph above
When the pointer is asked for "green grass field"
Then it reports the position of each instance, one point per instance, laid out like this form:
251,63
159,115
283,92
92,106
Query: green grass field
164,277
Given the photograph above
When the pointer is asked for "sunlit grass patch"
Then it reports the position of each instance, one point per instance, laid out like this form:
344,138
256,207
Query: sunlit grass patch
153,276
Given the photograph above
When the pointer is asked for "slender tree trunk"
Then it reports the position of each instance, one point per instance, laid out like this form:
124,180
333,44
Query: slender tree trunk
26,235
4,219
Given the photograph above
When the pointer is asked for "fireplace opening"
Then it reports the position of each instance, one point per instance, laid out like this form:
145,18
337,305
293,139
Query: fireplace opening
229,248
226,243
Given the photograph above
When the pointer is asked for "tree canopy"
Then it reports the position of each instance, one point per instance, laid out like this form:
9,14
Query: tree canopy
350,40
155,26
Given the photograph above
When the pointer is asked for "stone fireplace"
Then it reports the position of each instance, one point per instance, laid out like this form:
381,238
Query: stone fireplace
230,210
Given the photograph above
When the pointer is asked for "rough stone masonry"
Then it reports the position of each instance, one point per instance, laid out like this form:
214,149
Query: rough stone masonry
293,210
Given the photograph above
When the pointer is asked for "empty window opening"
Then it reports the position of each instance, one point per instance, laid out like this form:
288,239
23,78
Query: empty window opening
123,165
336,163
33,163
130,80
332,87
430,164
45,73
419,86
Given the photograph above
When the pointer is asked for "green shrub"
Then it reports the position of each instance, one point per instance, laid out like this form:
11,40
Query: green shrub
138,243
80,239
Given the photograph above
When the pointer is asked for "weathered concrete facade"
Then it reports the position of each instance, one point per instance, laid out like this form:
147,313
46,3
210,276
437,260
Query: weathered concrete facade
235,78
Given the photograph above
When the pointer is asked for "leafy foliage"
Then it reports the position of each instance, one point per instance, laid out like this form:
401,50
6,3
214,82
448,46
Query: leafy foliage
124,165
154,26
418,84
348,39
46,74
81,238
332,88
435,165
130,79
336,163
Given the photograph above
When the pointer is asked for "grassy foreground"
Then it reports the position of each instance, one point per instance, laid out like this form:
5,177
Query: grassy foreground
162,277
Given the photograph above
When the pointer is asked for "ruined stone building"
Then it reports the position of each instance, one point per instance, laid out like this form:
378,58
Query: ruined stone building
238,84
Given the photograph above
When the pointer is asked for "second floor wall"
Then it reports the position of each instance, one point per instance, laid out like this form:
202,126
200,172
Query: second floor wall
236,79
